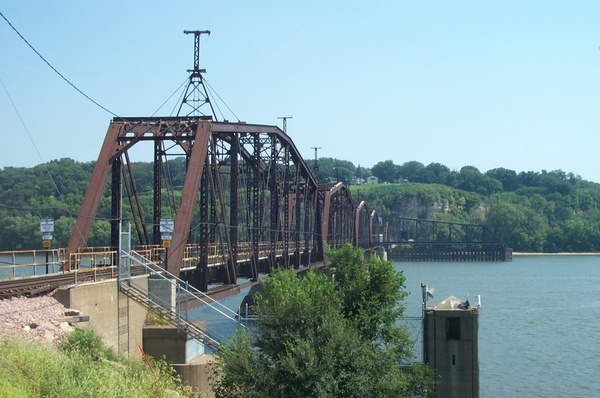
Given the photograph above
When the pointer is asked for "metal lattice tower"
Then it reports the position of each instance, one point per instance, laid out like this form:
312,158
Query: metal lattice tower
316,171
196,95
285,118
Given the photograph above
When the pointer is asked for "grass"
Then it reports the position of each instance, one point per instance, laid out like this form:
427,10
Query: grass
153,318
81,366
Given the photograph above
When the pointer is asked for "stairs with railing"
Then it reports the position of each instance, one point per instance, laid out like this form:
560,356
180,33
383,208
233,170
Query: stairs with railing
174,309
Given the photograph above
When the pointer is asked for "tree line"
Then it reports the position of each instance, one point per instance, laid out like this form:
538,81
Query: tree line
551,211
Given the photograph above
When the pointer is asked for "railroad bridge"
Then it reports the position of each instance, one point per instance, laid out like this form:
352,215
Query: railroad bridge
249,201
413,239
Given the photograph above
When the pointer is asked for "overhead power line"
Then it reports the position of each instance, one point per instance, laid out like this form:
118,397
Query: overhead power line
54,69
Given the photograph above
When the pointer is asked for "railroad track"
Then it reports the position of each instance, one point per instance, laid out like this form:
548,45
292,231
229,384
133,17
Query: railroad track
42,284
37,285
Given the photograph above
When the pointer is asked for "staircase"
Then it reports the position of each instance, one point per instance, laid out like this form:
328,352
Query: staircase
173,307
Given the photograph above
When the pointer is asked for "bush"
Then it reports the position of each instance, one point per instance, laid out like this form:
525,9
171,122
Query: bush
82,366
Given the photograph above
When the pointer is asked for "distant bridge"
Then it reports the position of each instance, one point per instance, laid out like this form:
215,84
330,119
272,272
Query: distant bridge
413,239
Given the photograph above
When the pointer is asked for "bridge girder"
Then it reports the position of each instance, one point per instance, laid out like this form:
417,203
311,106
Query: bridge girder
245,185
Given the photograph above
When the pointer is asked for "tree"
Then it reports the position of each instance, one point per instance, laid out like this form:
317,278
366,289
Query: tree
385,171
412,171
372,293
508,178
436,173
321,336
334,170
519,227
472,180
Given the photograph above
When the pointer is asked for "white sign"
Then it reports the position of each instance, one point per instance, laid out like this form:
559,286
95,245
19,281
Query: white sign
166,228
166,225
47,225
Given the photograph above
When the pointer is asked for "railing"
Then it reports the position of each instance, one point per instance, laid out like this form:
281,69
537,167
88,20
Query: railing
16,264
21,263
185,295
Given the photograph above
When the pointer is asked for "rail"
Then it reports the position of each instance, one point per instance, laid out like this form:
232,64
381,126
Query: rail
188,292
177,314
27,263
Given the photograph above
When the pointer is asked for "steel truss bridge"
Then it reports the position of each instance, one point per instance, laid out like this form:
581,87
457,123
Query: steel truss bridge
412,239
249,202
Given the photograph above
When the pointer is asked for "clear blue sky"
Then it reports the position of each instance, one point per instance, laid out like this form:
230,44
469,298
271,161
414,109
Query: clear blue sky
512,84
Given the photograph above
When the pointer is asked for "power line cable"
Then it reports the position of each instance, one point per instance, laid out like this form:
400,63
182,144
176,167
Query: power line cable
60,195
170,96
221,99
54,69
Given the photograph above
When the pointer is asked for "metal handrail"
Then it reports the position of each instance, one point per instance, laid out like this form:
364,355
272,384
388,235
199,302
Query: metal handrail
188,289
182,324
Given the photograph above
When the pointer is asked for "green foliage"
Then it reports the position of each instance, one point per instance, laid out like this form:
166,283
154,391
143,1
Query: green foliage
80,369
546,211
334,170
386,171
411,171
372,293
86,343
56,189
472,180
321,337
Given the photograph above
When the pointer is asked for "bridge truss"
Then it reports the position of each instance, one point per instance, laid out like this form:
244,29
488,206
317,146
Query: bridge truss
248,203
413,239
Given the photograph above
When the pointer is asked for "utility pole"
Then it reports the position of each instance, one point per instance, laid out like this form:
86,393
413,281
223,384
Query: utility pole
285,118
196,94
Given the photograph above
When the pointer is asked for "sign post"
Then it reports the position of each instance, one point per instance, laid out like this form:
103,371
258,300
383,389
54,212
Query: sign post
166,234
47,227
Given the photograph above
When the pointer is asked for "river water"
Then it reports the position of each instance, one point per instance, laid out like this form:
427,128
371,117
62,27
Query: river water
539,325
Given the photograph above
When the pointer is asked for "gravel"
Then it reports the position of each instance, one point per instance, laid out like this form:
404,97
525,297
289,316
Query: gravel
34,319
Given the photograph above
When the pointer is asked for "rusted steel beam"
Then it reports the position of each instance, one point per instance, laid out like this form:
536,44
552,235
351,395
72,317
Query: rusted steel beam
327,209
116,208
373,228
233,206
357,222
183,219
93,195
224,127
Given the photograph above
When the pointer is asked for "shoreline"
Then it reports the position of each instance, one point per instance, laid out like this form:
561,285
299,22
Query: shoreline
528,254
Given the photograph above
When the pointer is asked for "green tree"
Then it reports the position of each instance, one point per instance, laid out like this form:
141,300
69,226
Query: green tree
508,178
519,227
386,171
412,171
334,170
321,337
472,180
436,173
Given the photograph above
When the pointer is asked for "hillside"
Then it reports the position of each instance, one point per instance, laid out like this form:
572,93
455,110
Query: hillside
530,211
531,219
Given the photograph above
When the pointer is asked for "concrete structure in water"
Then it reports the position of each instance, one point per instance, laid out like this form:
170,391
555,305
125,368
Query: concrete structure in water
451,347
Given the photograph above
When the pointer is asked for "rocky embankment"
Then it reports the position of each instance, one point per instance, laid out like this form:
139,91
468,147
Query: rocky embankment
34,319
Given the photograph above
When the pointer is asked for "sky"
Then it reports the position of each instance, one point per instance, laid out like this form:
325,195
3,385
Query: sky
513,84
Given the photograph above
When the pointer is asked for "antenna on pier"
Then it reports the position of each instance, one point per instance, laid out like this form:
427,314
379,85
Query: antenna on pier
196,95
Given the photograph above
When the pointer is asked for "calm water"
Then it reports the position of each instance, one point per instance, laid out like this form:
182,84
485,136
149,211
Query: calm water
538,328
539,325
